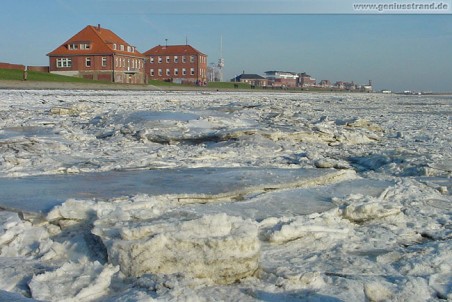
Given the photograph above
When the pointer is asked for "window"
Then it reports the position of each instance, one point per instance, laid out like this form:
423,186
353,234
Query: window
176,71
88,62
104,61
121,47
183,59
176,59
116,62
168,72
192,71
192,59
151,60
73,46
184,71
63,62
85,46
151,72
114,46
160,59
129,49
160,72
167,59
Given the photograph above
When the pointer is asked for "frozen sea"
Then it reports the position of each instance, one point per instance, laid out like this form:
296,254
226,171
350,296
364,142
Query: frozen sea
224,196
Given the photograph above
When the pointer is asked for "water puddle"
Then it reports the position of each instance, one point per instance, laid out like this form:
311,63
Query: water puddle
139,117
27,131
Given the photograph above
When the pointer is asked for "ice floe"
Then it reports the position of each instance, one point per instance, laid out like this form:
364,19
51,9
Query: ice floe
185,196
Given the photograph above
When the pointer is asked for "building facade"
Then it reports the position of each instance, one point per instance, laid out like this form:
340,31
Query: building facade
99,54
282,78
181,64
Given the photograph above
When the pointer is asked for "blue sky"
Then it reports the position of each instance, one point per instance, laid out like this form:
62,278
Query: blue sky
397,52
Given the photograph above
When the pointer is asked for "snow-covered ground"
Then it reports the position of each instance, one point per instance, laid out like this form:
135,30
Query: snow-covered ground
189,196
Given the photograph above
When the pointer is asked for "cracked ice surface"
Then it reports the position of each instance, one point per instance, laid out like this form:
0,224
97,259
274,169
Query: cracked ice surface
142,196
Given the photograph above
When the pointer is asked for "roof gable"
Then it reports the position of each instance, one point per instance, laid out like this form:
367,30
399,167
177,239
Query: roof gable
100,41
173,50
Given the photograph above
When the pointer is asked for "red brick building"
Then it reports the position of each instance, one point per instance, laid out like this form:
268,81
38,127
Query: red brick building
305,80
99,54
281,78
176,63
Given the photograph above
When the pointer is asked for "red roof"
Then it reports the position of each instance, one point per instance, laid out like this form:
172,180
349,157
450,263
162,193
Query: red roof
101,40
173,50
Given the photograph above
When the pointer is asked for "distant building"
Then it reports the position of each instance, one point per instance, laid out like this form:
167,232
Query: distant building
345,85
367,88
325,84
282,78
252,79
99,54
176,63
306,80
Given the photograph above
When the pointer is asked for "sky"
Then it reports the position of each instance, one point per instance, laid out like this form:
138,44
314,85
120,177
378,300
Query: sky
403,51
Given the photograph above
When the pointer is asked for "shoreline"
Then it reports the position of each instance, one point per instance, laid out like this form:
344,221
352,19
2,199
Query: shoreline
38,85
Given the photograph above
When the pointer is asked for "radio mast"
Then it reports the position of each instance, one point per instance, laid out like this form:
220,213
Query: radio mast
221,61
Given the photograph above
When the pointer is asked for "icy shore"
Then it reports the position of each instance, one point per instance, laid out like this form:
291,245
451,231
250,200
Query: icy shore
187,196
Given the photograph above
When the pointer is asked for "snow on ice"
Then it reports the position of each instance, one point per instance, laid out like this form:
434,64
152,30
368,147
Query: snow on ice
157,196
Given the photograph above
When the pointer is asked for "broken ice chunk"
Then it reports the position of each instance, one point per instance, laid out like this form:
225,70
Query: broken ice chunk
217,247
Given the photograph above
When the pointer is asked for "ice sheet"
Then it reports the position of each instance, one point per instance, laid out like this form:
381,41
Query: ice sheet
294,202
42,193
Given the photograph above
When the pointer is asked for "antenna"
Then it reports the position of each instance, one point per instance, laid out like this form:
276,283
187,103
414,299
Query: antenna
221,46
186,40
221,61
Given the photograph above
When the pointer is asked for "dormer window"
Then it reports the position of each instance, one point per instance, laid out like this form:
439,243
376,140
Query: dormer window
114,46
85,46
73,46
121,47
129,49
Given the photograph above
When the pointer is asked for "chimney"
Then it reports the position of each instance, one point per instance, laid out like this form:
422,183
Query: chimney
98,27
